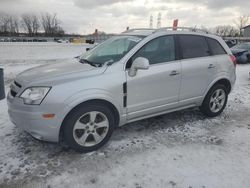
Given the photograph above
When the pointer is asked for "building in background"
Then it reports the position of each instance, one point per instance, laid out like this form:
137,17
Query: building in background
78,40
246,32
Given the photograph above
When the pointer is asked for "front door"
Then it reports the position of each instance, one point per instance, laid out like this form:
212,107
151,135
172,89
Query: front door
156,89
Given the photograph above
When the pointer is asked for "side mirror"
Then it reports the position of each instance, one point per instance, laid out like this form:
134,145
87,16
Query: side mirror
140,63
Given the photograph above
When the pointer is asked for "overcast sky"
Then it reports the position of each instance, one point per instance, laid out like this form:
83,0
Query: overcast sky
83,16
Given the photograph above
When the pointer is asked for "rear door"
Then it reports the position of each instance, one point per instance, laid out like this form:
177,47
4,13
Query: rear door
198,67
224,63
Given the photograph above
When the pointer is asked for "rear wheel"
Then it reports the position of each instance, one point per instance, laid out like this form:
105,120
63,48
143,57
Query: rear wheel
88,127
215,101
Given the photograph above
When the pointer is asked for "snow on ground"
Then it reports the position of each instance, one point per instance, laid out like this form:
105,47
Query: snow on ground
181,149
39,50
16,57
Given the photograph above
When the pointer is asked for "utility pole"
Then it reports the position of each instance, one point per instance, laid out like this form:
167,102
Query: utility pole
159,21
151,21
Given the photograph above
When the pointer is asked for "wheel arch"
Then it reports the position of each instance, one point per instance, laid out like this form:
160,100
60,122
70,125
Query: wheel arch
94,101
224,81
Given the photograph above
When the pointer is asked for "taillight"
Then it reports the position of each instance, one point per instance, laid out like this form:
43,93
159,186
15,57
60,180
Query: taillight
233,58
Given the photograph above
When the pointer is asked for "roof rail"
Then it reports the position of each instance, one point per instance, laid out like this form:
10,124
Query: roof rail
139,29
191,29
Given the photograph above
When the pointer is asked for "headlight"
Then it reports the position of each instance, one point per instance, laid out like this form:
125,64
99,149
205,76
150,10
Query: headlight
34,95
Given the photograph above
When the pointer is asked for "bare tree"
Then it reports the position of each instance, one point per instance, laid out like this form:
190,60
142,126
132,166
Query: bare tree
13,25
3,24
226,31
232,31
35,24
26,24
204,28
241,22
30,23
9,25
16,25
220,30
51,24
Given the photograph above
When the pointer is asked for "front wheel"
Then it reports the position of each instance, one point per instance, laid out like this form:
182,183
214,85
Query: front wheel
215,101
89,127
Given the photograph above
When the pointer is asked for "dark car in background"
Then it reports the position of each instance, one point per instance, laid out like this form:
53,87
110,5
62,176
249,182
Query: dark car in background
242,52
231,42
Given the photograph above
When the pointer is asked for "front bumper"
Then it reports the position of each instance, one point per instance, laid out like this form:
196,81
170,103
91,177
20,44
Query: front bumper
30,119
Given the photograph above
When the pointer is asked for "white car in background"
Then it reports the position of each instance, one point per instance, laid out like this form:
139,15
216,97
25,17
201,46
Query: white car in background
62,41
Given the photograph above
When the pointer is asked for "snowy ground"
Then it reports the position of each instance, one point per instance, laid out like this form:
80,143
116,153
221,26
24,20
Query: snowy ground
181,149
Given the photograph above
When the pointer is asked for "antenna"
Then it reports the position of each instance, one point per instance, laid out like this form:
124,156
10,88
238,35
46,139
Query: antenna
151,21
159,21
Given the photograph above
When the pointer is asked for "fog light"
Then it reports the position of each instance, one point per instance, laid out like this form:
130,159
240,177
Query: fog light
48,116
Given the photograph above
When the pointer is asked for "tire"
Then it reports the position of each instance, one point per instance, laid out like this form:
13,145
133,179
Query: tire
88,127
215,101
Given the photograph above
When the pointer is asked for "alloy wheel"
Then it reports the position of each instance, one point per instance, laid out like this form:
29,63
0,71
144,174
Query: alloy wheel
91,128
217,100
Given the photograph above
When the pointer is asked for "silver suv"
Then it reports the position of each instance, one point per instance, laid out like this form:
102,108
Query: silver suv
138,74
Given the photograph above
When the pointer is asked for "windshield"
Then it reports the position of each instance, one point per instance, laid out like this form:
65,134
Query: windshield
244,46
111,50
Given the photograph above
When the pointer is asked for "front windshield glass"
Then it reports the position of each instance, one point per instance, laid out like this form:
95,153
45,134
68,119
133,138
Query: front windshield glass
111,50
244,46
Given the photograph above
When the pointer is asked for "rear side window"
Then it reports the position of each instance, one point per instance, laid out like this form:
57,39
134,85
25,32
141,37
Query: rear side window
215,47
193,46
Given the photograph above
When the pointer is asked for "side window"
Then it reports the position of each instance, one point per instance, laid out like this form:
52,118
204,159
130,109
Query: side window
193,46
159,50
215,47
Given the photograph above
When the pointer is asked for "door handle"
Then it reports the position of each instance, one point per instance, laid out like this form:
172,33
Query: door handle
173,73
211,66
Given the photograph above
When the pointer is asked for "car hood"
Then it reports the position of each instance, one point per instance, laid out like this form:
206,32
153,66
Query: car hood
62,71
236,51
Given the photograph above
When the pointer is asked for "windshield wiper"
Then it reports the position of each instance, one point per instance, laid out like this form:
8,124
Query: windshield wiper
109,62
88,62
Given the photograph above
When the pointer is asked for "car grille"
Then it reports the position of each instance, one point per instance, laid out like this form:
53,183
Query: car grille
14,88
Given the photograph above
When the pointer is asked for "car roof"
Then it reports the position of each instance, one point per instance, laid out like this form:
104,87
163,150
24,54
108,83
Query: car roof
148,32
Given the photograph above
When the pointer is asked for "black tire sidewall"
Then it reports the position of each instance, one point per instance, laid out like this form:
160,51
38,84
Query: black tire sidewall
205,108
75,115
